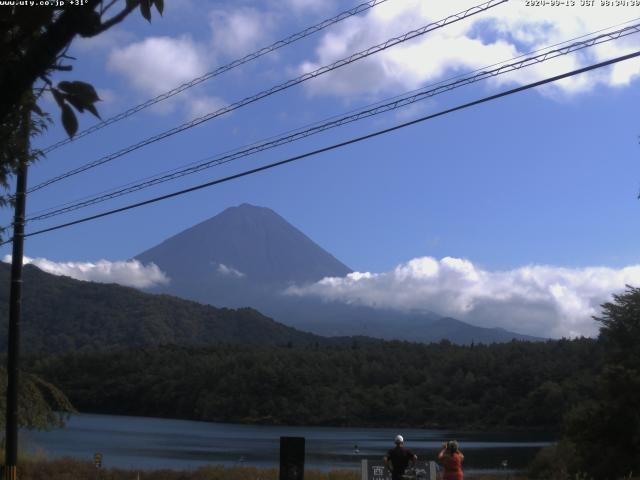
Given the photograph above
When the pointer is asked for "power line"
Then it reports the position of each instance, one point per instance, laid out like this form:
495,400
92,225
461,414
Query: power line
314,124
220,70
283,86
337,145
397,102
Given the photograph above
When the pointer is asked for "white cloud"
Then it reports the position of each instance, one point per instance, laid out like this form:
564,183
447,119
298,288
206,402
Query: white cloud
110,101
539,300
158,64
230,271
105,41
130,273
203,105
240,31
498,34
305,6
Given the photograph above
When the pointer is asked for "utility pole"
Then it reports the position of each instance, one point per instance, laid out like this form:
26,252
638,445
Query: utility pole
15,302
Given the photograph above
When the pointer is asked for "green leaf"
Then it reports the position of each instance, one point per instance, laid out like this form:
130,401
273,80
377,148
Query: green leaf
159,5
145,9
84,90
69,120
58,97
76,102
94,110
81,95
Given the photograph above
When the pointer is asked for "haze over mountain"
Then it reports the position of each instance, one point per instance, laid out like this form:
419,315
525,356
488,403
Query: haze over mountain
247,256
61,314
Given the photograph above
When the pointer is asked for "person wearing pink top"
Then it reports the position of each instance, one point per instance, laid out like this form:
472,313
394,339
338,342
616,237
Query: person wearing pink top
451,459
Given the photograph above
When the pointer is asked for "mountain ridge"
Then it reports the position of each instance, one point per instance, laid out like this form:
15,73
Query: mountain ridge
248,256
61,314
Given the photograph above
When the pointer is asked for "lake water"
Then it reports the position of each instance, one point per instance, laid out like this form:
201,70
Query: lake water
148,443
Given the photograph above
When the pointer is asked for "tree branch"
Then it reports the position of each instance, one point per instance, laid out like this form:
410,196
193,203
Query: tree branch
131,6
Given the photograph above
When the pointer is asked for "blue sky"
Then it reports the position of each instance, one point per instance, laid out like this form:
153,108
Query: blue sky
546,179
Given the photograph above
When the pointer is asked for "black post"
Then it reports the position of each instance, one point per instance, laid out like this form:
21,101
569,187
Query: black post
15,303
291,458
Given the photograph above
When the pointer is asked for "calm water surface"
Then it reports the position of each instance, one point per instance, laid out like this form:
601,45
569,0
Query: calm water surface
145,443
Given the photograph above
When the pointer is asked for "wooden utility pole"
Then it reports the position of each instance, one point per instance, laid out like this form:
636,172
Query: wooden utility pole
15,303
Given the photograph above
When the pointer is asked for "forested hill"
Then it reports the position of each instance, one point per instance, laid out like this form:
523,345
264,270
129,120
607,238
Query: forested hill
61,314
512,385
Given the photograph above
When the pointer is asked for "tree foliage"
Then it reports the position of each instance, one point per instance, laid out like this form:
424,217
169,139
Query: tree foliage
34,41
41,405
512,385
606,428
14,138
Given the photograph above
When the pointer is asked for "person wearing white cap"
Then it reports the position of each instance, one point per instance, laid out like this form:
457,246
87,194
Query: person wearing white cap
398,458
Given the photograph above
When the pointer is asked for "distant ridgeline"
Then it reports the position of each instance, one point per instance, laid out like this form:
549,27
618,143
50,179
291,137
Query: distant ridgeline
60,314
508,385
249,255
241,259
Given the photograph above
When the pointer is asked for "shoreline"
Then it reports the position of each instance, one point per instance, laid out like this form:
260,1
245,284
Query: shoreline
265,422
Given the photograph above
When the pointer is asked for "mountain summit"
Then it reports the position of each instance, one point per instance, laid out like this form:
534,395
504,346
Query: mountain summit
254,243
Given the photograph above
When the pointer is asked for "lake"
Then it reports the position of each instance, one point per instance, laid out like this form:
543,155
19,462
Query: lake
146,443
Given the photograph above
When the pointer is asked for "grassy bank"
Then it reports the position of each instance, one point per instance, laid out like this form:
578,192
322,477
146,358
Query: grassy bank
69,469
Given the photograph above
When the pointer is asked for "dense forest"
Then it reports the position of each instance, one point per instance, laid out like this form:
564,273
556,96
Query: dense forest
513,385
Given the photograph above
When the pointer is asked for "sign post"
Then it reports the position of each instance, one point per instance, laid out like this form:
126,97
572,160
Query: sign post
376,470
97,459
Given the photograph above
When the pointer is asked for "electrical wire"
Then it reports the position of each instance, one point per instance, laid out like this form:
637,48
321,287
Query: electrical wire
337,145
218,71
380,102
283,86
397,102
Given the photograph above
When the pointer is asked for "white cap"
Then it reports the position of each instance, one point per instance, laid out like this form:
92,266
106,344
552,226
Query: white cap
399,439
